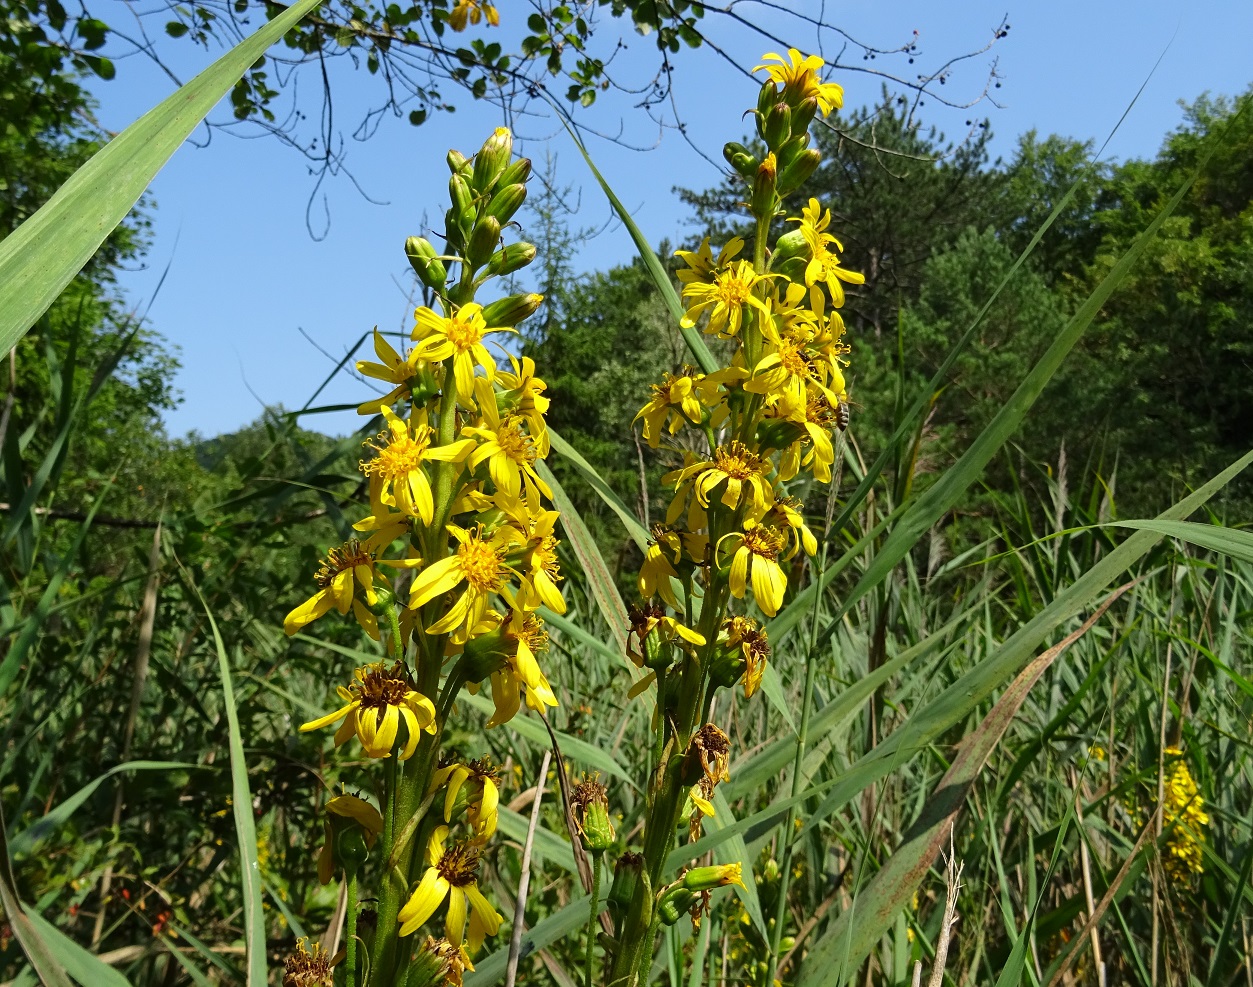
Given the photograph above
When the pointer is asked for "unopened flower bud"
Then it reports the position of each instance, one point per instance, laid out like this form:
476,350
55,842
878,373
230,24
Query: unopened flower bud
776,126
492,159
763,199
745,164
512,257
462,199
384,600
426,263
484,240
507,201
674,904
487,653
803,115
516,174
767,96
458,163
508,312
791,244
350,848
798,172
717,876
438,963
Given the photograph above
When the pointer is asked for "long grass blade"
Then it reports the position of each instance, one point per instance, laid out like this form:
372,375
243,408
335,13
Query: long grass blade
42,255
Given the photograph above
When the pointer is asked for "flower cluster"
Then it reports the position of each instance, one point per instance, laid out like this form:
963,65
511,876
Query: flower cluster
456,555
1184,815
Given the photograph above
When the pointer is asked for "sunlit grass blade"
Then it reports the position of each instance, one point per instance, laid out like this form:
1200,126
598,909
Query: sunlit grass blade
241,806
85,967
39,952
41,257
561,923
1215,537
638,533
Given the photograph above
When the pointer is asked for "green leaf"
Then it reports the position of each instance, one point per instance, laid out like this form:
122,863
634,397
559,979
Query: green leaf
241,804
562,923
87,968
733,851
43,254
41,955
1214,537
29,838
176,29
638,533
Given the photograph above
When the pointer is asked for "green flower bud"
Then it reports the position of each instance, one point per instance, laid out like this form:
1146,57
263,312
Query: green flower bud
708,878
384,599
350,849
516,174
487,653
512,257
763,199
767,96
745,164
798,172
426,263
803,115
462,200
507,201
492,159
508,312
776,127
484,240
731,149
674,903
791,244
791,149
458,163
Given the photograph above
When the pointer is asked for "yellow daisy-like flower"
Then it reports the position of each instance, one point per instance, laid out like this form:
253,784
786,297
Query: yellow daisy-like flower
347,807
461,338
397,465
756,558
523,636
700,262
657,569
798,75
737,469
825,268
788,371
785,515
725,298
481,780
375,707
675,400
393,369
472,11
523,394
479,563
816,418
451,874
537,561
345,577
509,451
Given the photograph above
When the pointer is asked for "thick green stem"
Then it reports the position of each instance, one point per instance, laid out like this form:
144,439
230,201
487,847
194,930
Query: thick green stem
785,867
593,911
350,944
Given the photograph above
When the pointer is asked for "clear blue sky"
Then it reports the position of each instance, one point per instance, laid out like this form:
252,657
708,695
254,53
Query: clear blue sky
245,277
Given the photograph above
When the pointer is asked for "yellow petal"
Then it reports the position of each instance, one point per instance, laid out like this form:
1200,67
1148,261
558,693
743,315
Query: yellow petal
428,896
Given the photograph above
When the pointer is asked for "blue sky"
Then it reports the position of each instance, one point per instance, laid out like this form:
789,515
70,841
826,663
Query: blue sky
246,283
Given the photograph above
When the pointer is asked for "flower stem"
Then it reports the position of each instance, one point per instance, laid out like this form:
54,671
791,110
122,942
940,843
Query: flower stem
350,944
785,869
593,911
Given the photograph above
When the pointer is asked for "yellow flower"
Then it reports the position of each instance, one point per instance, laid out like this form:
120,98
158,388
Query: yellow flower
375,707
472,11
756,558
785,514
745,635
788,371
509,452
657,570
656,632
479,563
523,394
483,793
440,962
346,575
524,636
351,808
725,298
798,75
815,418
825,268
393,370
673,399
1184,815
307,967
460,337
397,465
538,562
451,874
701,264
741,470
